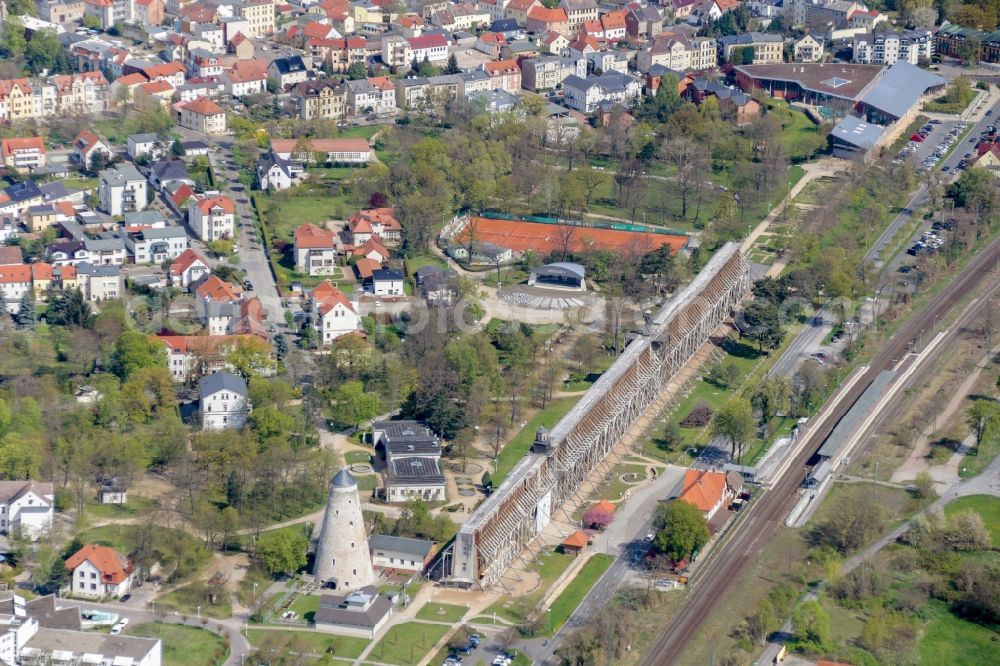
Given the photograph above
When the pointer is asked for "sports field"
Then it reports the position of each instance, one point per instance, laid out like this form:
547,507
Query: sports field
545,239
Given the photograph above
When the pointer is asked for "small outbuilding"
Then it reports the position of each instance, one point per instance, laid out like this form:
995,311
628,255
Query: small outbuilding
575,543
560,275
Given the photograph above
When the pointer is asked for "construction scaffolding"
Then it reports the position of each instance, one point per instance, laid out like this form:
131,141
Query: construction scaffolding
544,479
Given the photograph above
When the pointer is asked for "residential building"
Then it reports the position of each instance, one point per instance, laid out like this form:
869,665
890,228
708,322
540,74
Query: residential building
504,75
396,51
167,172
99,283
401,553
15,281
542,20
337,151
205,116
149,13
585,94
212,216
121,189
275,173
224,401
387,282
375,95
156,245
286,72
112,490
578,11
608,61
331,313
678,51
735,105
966,43
424,94
548,72
321,98
259,14
378,222
188,268
315,250
752,48
432,47
643,21
476,81
887,48
86,146
99,571
519,9
23,154
988,157
808,49
105,251
26,507
150,146
436,284
491,43
245,77
191,357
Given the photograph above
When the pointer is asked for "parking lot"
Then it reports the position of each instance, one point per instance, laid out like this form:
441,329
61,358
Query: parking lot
482,650
931,143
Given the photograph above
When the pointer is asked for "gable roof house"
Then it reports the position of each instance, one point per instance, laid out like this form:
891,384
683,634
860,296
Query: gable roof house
99,571
224,401
23,154
26,507
188,268
331,313
288,71
315,250
708,491
277,173
586,94
86,146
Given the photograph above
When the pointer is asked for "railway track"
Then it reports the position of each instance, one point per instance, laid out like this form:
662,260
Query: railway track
750,537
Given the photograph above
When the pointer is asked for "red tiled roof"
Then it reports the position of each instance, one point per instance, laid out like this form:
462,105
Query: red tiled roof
703,489
114,567
216,289
156,87
327,297
183,344
8,146
162,69
384,216
546,15
311,236
15,274
578,539
206,204
133,79
427,41
185,260
366,267
604,505
86,140
726,5
381,82
501,67
41,271
183,193
204,106
522,5
372,245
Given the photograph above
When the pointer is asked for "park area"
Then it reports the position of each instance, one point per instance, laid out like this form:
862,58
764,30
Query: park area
185,646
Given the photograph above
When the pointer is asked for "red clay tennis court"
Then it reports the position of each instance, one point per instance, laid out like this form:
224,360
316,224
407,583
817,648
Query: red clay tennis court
547,238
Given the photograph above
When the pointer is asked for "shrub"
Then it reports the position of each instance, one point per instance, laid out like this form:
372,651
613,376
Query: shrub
699,416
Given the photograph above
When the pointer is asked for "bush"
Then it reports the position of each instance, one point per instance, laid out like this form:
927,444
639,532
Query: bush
699,416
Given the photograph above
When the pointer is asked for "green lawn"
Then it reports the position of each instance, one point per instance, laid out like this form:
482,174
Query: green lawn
986,506
407,643
193,600
357,458
349,647
441,612
185,646
948,639
80,183
550,567
511,454
419,261
135,506
306,606
564,605
359,132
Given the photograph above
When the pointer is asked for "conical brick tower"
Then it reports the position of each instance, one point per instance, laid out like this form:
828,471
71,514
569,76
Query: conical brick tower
343,560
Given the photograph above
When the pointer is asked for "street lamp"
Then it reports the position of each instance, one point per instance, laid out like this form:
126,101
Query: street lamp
549,613
199,612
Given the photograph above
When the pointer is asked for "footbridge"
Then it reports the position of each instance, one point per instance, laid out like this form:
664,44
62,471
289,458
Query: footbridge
561,460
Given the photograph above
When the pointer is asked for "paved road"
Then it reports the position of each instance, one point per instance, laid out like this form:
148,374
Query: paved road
253,261
625,538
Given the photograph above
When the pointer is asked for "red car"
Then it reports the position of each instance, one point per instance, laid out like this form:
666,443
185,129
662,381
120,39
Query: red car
917,137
